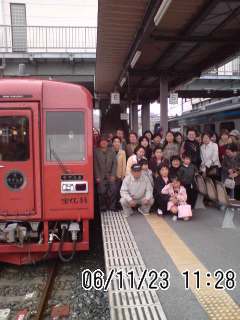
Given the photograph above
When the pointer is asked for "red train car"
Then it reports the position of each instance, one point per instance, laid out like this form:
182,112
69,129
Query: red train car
46,170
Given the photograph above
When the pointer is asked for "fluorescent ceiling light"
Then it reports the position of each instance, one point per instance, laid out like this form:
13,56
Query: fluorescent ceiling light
161,11
122,81
135,58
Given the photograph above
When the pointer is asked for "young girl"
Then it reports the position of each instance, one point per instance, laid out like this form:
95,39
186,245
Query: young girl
177,196
161,200
146,171
187,174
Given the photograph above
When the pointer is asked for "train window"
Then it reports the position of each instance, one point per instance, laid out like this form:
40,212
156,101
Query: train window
14,138
65,134
227,126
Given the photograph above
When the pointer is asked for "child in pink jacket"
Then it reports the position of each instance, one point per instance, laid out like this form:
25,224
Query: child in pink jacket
178,196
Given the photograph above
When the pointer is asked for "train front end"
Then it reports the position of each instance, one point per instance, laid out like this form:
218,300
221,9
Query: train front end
46,170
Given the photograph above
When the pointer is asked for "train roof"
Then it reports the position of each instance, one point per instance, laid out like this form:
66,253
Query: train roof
50,92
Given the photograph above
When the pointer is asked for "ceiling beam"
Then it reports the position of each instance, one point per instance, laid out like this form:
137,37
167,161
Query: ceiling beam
144,31
190,94
169,38
229,18
214,59
195,21
158,73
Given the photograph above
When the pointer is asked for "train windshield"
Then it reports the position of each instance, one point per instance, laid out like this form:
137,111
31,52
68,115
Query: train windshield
65,135
14,138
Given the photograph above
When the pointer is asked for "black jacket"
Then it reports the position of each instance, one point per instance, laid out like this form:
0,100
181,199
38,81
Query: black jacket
173,172
192,148
187,174
159,184
161,200
148,153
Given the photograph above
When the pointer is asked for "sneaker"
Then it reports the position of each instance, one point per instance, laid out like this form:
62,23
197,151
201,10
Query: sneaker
159,212
125,215
186,219
174,218
142,212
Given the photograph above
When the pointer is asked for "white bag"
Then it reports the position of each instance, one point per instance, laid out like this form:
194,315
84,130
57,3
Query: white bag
184,211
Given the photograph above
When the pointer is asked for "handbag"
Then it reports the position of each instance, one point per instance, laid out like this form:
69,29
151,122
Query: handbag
184,211
212,171
229,183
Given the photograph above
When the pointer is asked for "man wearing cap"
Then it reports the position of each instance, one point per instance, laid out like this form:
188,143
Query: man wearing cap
136,192
105,167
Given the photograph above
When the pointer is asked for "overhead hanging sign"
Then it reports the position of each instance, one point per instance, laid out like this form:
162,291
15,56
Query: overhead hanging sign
173,99
123,116
115,98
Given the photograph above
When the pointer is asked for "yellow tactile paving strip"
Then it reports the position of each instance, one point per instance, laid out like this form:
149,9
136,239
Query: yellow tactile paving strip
218,304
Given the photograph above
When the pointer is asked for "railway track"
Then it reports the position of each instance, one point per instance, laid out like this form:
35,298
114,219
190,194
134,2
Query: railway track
51,290
30,292
46,294
21,290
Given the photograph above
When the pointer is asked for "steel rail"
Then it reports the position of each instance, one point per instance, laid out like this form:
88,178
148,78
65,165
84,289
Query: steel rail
47,291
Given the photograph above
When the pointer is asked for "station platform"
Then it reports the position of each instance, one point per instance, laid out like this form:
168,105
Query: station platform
160,244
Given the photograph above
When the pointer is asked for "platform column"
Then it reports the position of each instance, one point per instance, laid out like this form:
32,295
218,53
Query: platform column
164,104
134,118
145,117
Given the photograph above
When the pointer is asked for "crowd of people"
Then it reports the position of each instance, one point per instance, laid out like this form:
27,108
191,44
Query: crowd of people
156,173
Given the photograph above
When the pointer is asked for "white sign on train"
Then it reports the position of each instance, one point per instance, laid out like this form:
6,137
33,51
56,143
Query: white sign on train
115,98
173,99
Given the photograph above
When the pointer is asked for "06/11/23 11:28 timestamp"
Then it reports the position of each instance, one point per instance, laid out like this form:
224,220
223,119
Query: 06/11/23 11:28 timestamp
156,280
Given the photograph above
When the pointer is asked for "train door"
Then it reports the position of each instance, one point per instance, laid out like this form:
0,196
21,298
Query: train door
19,181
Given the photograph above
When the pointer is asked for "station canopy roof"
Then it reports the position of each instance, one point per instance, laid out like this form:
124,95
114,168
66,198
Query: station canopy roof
140,41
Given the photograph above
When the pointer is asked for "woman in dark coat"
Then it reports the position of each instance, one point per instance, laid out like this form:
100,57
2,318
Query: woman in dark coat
192,147
161,200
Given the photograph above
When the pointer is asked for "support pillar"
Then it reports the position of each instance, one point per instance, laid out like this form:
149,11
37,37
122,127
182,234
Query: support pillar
145,117
134,118
130,117
164,104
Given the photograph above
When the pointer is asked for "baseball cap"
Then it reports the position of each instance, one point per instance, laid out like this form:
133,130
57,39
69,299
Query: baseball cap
136,167
234,133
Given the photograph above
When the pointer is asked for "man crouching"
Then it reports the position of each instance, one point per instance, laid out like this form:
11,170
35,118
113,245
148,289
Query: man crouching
136,192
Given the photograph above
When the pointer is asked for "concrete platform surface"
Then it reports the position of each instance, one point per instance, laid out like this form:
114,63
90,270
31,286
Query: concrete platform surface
199,244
